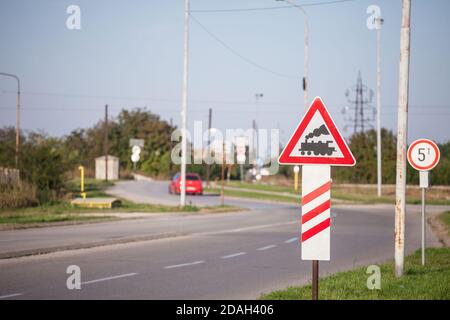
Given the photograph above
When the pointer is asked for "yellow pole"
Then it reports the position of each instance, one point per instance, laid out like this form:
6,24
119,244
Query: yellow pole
296,171
83,194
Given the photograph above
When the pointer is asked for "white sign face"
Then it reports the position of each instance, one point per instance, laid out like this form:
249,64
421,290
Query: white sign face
137,142
135,157
241,143
240,158
136,149
423,155
316,141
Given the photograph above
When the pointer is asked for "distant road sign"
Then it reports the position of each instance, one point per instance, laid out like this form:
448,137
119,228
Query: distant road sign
423,154
317,140
241,143
135,157
136,149
137,142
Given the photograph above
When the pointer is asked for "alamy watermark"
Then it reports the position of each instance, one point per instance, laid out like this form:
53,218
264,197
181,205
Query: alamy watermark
373,20
74,279
374,280
214,146
73,21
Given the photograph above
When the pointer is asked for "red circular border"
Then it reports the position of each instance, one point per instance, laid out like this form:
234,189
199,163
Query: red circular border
436,150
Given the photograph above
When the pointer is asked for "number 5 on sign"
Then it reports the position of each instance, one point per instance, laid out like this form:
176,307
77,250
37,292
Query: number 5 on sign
423,155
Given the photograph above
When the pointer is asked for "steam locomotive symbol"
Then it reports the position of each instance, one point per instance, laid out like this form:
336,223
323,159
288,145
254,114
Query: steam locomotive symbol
322,148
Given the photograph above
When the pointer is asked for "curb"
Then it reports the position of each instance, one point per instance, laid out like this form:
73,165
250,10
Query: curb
39,251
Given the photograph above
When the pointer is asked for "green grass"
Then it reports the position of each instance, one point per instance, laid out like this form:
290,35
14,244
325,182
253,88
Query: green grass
60,211
93,188
46,218
445,217
431,281
350,194
262,187
254,195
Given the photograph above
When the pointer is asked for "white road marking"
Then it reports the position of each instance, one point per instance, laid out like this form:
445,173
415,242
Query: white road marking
263,226
233,255
110,278
267,247
291,240
184,264
11,295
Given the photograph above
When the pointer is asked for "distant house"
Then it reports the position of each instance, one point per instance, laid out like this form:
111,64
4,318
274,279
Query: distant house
113,168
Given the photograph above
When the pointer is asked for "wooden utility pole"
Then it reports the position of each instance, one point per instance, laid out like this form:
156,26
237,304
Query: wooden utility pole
402,134
106,142
17,115
222,190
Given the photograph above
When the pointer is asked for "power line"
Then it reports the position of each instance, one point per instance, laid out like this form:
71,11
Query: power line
248,103
249,61
200,111
311,4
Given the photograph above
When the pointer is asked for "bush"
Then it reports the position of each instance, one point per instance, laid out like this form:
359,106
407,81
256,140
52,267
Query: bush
17,196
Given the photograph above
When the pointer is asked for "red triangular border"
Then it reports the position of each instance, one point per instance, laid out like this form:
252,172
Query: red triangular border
346,160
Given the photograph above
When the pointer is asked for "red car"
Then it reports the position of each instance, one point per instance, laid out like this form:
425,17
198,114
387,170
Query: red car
193,184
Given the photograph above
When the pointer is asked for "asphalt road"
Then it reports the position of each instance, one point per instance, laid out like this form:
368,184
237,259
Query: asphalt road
157,192
221,256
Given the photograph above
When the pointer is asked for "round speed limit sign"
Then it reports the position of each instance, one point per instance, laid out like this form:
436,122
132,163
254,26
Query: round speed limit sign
423,154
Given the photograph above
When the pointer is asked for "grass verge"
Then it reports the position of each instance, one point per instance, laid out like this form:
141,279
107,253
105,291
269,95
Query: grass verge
431,281
353,193
445,218
63,211
254,195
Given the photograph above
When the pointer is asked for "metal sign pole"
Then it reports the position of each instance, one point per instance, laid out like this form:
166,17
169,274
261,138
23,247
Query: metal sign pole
315,279
423,226
423,183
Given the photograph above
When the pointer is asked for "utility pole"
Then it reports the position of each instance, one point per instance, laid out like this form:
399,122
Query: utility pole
305,81
402,133
379,23
209,148
17,115
106,142
171,146
254,139
184,105
255,124
222,189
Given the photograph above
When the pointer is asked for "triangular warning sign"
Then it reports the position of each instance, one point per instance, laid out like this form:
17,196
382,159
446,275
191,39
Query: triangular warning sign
317,140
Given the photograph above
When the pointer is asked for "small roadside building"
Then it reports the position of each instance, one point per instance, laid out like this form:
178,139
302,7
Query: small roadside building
113,168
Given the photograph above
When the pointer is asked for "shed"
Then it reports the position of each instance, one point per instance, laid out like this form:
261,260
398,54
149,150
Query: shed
113,168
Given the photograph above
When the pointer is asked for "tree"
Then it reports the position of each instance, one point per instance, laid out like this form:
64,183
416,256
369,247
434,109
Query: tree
363,147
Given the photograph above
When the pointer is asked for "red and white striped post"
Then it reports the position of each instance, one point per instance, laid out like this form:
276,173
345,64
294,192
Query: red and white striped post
315,238
317,145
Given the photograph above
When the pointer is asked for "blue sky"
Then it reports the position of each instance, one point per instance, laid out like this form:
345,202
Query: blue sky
129,54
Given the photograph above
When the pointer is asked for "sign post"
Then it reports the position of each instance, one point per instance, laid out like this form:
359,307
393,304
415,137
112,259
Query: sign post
136,147
82,193
423,155
241,143
296,171
317,145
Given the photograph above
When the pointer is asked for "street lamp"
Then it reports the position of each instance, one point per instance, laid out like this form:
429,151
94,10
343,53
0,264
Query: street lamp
306,36
17,114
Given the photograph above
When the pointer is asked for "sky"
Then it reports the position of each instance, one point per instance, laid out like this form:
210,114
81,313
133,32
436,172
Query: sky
129,54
